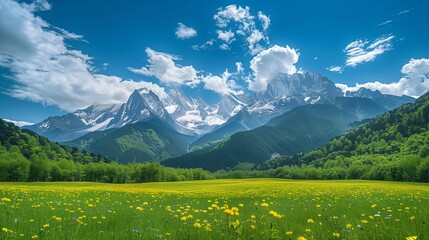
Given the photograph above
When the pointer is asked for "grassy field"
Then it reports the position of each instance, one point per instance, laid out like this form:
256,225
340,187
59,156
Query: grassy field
217,209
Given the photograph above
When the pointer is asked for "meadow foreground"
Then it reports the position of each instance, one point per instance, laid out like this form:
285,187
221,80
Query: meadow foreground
215,209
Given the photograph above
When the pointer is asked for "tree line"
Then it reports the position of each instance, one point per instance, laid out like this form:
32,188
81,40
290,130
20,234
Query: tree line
26,156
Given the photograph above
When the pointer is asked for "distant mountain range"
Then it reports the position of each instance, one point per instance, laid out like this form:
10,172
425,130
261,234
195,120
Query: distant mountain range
298,130
179,115
391,146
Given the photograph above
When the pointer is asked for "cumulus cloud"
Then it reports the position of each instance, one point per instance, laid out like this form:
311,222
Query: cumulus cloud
185,32
40,60
233,13
415,81
226,36
267,64
338,69
244,24
162,66
221,84
361,51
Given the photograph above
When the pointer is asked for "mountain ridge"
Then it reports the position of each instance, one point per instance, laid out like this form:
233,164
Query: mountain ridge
194,117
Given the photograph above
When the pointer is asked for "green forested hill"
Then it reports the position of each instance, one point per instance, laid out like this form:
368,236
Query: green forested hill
393,146
298,130
26,156
149,141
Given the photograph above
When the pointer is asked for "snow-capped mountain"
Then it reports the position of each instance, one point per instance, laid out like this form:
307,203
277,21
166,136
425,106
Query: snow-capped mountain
142,105
230,105
196,116
97,116
385,100
192,116
307,85
288,91
74,125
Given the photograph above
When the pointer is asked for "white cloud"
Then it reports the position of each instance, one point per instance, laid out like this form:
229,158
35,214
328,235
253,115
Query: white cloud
233,13
221,84
361,51
338,69
239,67
255,37
224,47
163,66
404,11
206,45
40,60
185,32
267,64
226,36
265,20
37,5
385,23
19,123
243,24
415,81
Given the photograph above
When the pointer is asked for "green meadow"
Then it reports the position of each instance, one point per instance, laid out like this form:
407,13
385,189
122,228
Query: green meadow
215,209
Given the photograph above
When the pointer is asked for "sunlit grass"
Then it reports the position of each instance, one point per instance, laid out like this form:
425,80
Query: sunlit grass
217,209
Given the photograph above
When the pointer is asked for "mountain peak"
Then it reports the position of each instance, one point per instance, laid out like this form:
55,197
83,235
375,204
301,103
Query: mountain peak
142,105
310,83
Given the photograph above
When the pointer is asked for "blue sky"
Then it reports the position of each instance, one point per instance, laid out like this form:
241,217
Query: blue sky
102,45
